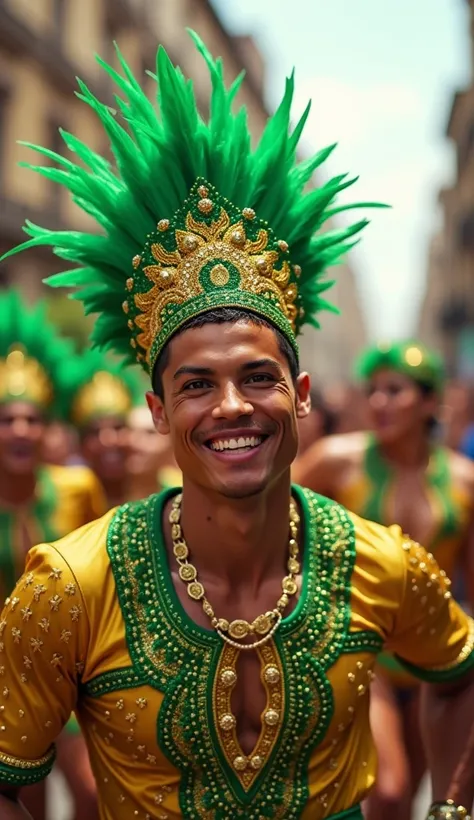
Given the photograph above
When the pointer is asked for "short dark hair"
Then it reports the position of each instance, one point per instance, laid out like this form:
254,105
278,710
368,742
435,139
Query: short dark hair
219,316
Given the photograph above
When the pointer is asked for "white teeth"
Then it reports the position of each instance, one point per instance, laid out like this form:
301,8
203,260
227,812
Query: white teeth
236,444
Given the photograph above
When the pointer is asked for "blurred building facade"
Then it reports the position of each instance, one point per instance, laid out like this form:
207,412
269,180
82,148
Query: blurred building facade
447,316
44,45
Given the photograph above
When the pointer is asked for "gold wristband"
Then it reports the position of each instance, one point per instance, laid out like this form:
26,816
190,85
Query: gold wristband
447,810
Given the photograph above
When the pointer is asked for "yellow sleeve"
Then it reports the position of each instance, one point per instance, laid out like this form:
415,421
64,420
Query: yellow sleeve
43,639
431,636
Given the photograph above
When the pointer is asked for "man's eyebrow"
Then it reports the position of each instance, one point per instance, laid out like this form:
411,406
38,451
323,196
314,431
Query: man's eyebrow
192,370
261,363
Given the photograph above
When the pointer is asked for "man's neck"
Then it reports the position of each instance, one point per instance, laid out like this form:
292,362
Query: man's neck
17,490
411,452
237,540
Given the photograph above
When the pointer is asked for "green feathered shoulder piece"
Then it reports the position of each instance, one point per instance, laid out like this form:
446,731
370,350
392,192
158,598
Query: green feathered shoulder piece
410,357
190,216
32,355
96,386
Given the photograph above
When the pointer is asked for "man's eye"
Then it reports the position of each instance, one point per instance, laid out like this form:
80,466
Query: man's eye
197,384
260,377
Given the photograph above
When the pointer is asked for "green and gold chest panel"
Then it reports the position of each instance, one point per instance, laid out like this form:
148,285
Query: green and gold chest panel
196,671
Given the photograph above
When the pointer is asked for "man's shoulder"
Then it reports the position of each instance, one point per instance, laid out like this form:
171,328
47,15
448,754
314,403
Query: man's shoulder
342,448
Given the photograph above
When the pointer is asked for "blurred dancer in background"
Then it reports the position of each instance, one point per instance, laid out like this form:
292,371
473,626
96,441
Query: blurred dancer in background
101,394
39,502
399,474
151,465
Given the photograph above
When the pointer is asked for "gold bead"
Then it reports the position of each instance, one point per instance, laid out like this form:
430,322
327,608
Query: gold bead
238,238
125,306
248,213
175,515
131,324
175,531
272,675
293,566
136,261
195,591
187,573
261,265
133,343
227,722
190,243
351,677
240,763
282,601
228,677
207,609
283,245
256,762
129,283
203,191
271,717
239,629
205,205
180,550
289,585
163,225
219,275
262,624
297,270
223,624
361,690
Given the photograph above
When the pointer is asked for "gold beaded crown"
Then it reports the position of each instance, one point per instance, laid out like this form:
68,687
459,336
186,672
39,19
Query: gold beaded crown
191,217
31,355
95,387
209,254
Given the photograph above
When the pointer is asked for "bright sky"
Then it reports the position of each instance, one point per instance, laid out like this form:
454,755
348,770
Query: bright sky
381,74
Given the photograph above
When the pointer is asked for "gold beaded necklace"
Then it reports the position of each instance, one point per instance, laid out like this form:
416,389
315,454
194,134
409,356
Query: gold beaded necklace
264,625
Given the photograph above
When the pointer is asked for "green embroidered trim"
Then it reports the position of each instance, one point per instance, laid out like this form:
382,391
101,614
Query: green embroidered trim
17,772
439,675
178,657
364,641
116,679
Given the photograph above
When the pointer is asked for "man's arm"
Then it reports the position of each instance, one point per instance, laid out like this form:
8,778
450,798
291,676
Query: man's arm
43,640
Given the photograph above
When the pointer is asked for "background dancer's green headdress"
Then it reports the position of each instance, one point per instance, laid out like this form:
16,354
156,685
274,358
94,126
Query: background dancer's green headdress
31,355
411,358
193,218
97,387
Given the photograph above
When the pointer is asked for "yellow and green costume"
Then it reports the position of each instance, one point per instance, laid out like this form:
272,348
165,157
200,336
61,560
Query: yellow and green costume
152,690
32,370
370,496
194,219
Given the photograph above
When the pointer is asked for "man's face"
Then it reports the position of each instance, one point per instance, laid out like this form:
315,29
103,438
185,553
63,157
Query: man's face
231,407
148,449
22,429
105,447
397,406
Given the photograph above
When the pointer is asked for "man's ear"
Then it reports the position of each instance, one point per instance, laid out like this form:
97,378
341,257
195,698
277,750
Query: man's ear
158,412
303,398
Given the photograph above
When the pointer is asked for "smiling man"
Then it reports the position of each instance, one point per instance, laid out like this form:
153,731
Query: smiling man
218,640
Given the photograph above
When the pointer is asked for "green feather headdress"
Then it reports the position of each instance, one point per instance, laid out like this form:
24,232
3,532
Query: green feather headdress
32,355
411,358
95,387
191,217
